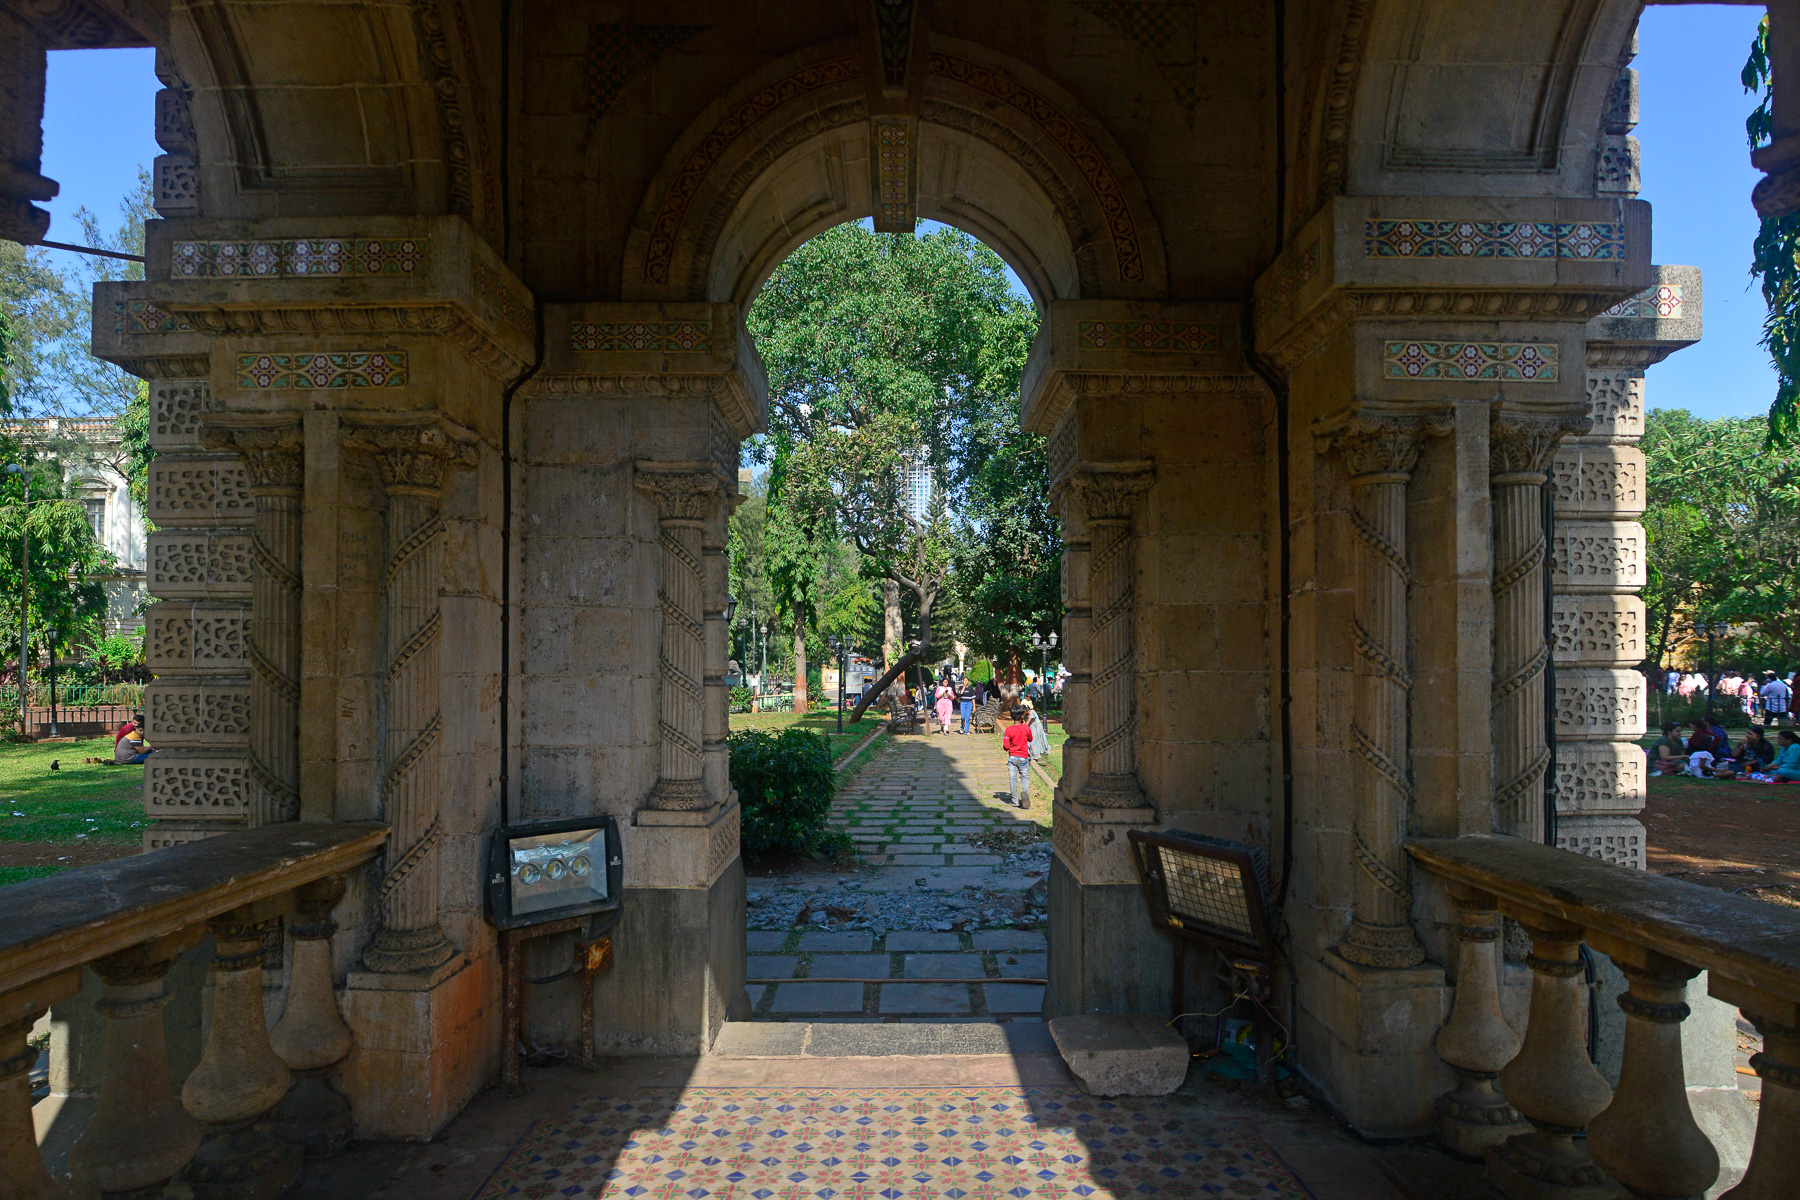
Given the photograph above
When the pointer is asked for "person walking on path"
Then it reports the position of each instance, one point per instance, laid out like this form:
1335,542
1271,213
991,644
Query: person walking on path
1040,737
1018,759
943,698
1775,698
966,697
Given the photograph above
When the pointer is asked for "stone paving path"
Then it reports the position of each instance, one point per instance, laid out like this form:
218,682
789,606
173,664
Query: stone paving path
916,805
911,811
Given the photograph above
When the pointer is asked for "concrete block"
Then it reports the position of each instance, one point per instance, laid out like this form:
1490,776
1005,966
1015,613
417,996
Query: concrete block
1119,1055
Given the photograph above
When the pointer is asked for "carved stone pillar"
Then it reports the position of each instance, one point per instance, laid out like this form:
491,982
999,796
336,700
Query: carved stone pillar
412,457
685,495
1520,449
273,456
1380,449
1110,495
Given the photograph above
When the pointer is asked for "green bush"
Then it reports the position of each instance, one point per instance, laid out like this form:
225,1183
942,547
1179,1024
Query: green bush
741,698
981,672
785,783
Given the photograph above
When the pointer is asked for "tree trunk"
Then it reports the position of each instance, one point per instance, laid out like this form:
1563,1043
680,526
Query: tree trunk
800,704
893,632
926,598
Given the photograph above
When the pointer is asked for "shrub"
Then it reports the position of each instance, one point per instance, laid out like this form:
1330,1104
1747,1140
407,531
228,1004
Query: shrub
981,672
741,698
785,783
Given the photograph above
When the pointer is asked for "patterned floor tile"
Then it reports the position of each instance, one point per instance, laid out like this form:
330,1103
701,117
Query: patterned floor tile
889,1144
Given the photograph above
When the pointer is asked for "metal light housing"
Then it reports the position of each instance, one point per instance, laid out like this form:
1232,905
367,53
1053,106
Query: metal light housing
542,871
1207,889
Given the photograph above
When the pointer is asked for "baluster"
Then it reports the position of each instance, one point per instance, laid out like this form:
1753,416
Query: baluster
139,1135
1647,1138
1775,1155
1476,1040
1551,1082
311,1036
239,1077
22,1173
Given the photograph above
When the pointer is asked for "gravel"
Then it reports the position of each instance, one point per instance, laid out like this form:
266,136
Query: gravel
844,904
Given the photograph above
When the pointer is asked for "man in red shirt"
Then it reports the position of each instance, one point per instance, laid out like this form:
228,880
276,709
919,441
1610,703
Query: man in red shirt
1017,740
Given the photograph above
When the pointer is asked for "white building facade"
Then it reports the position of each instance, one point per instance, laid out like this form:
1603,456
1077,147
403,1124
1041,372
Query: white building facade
92,456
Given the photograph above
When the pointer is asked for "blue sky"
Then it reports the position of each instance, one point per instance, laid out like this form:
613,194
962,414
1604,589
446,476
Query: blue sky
99,117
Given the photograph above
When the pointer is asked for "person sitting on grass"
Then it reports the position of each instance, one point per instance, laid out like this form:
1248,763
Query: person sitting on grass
1787,763
131,746
1018,759
1755,751
1667,755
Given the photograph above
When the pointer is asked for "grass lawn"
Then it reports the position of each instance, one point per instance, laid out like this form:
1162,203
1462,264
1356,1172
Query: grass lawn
818,722
79,813
1058,735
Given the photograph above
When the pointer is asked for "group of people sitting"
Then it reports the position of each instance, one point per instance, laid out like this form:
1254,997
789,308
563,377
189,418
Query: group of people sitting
1708,753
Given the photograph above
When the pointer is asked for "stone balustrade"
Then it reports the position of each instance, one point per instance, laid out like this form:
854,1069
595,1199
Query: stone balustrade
257,1101
1546,1121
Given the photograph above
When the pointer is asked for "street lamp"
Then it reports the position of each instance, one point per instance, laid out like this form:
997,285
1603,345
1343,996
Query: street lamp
50,644
24,584
1043,646
842,646
1707,630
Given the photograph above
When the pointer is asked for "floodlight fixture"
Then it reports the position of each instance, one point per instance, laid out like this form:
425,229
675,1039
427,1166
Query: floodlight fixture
1206,889
543,871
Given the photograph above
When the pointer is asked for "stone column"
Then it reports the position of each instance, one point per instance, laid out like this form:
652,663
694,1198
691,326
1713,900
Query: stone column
1520,447
273,456
685,498
1380,449
1110,494
412,458
22,67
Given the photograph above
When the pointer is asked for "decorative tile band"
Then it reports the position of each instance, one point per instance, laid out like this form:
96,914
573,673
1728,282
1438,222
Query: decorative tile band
141,316
1493,239
502,300
1662,300
595,337
355,369
1526,362
320,256
1296,273
1183,336
893,174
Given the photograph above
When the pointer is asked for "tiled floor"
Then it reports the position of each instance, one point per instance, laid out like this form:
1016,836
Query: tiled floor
974,1142
795,956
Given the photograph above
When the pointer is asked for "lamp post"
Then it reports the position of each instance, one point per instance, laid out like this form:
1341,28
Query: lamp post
1707,630
1043,647
50,647
24,584
842,646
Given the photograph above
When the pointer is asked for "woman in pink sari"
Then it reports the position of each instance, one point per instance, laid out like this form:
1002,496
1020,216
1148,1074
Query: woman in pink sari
943,698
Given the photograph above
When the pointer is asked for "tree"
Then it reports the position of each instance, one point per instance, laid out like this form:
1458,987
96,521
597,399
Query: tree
64,555
1723,518
1775,257
879,350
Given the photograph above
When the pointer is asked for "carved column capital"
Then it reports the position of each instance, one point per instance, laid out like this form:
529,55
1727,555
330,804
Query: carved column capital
1112,492
273,452
1382,443
412,453
679,494
1523,444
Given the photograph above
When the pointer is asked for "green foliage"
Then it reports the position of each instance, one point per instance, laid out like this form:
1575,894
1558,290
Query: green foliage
1775,258
64,555
1723,519
891,355
785,783
981,671
118,652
